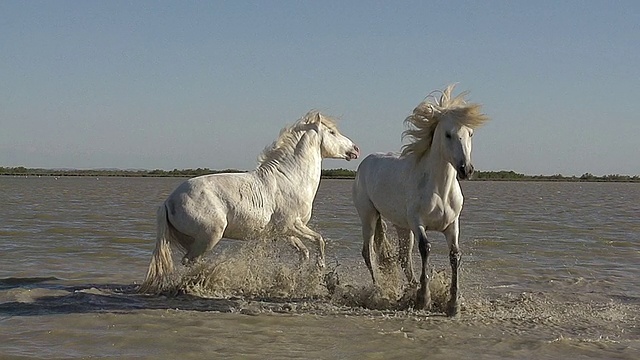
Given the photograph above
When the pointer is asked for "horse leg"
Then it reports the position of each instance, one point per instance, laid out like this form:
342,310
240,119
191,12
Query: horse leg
203,243
301,230
382,247
405,249
368,233
302,250
452,234
423,296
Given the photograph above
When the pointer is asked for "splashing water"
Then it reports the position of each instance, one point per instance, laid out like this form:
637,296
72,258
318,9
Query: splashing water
263,270
255,270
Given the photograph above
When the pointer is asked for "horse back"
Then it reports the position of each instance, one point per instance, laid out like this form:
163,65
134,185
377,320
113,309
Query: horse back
237,200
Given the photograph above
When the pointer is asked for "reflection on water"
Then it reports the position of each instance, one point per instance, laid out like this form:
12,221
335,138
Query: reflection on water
549,270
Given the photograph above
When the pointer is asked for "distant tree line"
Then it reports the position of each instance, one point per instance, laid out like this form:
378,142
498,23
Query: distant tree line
20,170
512,175
502,175
508,175
339,173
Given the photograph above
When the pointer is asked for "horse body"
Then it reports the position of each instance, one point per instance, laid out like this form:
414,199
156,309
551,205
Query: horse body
418,190
430,196
274,200
234,202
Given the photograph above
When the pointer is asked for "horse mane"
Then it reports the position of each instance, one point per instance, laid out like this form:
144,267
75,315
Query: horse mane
289,137
426,116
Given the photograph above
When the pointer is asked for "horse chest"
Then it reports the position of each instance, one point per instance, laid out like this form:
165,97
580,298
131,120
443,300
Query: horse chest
437,213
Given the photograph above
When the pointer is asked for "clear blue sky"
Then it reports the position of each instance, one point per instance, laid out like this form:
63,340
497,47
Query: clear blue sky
114,84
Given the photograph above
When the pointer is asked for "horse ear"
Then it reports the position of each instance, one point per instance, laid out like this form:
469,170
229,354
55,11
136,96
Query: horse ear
317,119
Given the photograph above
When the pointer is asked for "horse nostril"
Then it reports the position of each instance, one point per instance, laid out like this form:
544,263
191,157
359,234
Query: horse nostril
465,170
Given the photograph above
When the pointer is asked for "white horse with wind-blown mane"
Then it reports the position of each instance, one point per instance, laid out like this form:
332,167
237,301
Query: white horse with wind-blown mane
275,199
419,190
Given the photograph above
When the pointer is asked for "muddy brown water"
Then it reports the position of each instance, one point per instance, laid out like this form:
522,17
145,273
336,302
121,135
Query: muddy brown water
549,270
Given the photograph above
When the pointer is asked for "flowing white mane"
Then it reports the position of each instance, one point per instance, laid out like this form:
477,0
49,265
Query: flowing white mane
424,120
289,137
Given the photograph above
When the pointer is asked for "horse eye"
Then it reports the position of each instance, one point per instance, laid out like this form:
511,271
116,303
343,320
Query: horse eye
332,132
447,135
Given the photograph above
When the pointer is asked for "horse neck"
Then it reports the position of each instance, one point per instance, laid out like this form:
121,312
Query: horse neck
302,167
439,172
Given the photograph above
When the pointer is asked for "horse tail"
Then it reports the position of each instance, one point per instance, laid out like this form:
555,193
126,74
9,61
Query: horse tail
381,245
161,265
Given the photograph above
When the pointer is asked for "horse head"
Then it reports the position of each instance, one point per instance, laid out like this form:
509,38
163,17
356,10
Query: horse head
446,125
454,140
333,144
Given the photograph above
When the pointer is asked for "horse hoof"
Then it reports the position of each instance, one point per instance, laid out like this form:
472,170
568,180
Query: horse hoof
422,303
453,310
332,281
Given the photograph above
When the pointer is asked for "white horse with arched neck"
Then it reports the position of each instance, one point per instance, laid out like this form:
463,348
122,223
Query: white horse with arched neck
274,200
418,190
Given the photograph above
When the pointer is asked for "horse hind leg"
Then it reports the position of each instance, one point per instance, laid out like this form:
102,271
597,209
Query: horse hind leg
201,244
382,247
368,234
405,251
183,242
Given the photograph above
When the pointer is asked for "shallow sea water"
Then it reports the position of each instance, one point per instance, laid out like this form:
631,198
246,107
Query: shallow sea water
549,270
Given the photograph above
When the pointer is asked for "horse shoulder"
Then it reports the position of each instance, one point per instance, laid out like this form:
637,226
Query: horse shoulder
295,199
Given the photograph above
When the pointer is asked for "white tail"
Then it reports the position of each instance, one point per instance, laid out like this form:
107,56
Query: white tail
161,266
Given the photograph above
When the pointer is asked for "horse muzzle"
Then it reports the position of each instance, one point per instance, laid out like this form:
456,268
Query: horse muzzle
465,171
353,153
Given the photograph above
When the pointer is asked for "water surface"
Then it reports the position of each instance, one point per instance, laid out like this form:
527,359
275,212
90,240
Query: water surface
549,270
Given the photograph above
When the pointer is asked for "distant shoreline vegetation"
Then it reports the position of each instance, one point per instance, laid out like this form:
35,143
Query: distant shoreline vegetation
329,173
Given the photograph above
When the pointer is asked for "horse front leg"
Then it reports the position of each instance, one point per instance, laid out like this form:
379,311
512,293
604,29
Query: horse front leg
423,296
301,230
299,246
452,234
